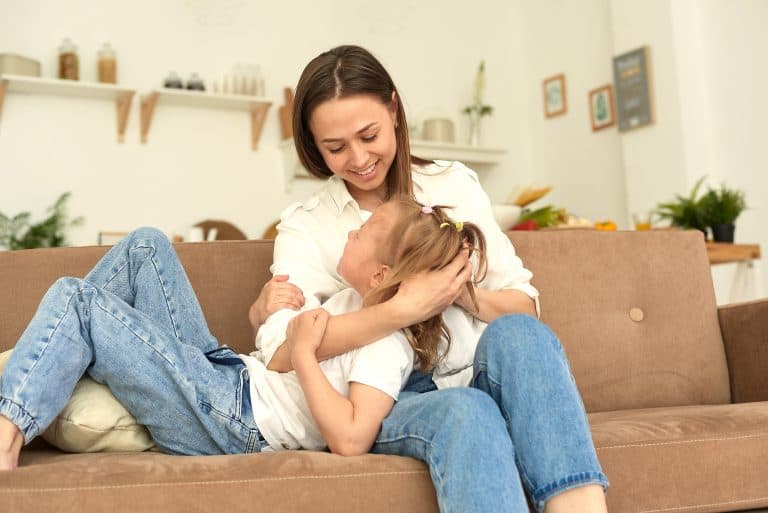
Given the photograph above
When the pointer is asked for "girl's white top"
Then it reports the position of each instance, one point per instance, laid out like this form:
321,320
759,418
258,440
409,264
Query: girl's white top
311,238
280,408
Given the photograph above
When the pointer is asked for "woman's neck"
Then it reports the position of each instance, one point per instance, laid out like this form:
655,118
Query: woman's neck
369,200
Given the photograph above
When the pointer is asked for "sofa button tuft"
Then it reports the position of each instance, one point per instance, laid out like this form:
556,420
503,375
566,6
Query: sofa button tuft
636,314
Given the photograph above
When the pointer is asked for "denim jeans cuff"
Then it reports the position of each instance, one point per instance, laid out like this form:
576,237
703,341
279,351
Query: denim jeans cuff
542,494
19,416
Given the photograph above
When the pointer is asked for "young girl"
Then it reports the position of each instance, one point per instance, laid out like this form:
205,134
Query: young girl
135,325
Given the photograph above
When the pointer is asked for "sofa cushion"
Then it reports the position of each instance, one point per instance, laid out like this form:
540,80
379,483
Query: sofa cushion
636,313
691,458
287,481
93,420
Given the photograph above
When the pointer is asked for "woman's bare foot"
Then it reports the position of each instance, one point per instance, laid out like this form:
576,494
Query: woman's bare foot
11,441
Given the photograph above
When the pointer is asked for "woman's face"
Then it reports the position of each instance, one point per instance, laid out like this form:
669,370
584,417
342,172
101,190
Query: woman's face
356,138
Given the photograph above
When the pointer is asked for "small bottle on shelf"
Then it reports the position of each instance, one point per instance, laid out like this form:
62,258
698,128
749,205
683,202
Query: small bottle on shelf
173,81
195,83
107,64
69,68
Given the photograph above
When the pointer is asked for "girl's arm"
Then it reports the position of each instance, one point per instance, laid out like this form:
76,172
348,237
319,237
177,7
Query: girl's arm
420,297
348,425
495,303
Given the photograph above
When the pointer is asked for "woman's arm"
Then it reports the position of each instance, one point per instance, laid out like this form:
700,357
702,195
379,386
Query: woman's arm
495,303
419,297
348,425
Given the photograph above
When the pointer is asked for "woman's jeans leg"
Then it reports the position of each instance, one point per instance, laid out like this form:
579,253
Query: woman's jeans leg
461,435
520,363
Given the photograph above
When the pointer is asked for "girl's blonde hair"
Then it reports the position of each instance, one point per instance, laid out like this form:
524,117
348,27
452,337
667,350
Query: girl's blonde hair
425,239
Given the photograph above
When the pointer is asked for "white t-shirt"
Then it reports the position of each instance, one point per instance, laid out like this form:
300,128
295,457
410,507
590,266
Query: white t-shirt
280,409
312,234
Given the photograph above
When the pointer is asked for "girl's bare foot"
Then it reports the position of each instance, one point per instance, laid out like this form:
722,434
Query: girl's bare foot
11,441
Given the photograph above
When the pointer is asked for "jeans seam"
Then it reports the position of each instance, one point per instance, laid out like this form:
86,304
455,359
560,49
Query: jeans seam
47,341
145,342
431,463
522,471
543,494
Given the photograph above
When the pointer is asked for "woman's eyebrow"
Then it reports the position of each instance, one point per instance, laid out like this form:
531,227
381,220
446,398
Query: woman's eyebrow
366,127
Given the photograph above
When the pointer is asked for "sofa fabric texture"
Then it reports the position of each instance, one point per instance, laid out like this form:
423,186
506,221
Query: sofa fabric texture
672,384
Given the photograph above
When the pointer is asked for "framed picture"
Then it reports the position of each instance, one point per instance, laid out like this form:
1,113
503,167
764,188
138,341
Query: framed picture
555,99
601,112
109,238
632,81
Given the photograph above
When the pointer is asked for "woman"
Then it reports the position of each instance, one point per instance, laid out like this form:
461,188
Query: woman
521,401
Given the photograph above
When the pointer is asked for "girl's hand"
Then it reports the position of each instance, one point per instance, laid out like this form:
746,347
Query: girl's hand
305,332
276,294
428,293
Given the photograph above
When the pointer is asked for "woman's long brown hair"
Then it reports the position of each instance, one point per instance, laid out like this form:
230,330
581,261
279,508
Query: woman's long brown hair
419,242
339,73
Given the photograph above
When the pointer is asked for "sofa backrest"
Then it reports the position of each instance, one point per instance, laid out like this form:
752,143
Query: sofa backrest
226,275
636,313
635,310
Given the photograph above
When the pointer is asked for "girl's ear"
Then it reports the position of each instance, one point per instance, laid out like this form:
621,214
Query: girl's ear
378,277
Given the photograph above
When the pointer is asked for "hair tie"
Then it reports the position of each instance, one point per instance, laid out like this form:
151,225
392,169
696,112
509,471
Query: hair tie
459,225
426,210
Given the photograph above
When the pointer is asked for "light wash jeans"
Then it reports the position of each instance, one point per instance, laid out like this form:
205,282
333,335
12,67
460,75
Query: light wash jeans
134,324
521,425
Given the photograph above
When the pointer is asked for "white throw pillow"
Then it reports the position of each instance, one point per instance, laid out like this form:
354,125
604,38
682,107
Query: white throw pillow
93,421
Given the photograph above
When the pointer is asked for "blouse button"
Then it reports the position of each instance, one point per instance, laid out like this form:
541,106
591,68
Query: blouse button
636,314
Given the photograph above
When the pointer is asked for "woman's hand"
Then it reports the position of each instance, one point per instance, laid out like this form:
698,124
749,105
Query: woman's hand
465,300
428,293
276,294
305,332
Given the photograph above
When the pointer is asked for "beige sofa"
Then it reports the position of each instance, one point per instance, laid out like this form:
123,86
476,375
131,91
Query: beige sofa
673,386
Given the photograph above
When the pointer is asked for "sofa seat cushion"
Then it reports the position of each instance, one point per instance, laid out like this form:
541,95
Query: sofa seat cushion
290,481
688,458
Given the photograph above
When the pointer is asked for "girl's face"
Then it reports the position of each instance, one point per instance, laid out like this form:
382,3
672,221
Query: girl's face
356,138
359,264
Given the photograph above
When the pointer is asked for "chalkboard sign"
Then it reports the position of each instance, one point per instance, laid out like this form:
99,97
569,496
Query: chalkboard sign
632,82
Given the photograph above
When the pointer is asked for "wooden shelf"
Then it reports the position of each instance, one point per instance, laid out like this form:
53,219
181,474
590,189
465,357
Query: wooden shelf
432,150
426,149
257,106
55,87
724,253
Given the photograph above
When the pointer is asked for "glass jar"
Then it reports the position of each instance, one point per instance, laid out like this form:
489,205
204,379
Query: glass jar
69,67
107,64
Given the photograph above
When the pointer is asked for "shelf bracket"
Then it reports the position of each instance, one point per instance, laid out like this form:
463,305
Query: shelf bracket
3,89
258,117
147,111
123,105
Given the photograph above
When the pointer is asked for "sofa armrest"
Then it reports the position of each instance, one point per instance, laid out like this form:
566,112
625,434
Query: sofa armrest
744,327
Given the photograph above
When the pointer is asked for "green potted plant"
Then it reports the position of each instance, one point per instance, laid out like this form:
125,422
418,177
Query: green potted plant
720,209
17,233
686,212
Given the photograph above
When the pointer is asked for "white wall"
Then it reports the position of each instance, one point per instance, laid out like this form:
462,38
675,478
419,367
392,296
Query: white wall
585,167
197,163
706,57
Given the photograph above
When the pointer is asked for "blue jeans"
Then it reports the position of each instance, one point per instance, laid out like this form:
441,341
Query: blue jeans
134,324
520,426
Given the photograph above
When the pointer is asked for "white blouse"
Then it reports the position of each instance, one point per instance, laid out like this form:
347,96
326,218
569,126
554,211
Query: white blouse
311,238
